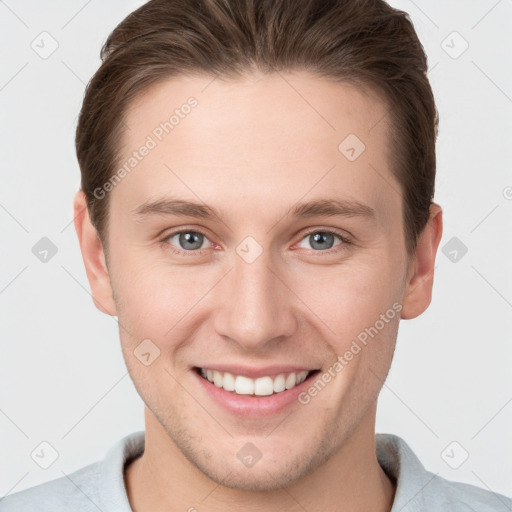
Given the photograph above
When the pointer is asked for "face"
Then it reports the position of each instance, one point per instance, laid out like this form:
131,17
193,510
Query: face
274,280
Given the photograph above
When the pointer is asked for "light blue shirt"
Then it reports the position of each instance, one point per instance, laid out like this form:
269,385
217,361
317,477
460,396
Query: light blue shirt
100,485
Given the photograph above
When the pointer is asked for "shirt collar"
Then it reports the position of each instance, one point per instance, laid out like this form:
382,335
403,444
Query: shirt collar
403,467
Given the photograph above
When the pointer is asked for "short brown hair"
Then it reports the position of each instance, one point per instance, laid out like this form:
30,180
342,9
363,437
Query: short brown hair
362,42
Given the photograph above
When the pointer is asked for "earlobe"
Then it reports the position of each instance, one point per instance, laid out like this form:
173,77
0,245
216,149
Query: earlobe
420,279
93,257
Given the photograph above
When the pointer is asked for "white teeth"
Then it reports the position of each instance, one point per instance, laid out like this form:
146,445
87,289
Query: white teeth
217,378
263,386
228,382
290,381
279,383
301,376
244,386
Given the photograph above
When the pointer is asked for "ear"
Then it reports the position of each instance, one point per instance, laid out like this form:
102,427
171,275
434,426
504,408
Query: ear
93,256
420,278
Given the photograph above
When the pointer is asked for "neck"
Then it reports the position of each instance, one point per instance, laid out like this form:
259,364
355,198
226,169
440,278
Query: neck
351,480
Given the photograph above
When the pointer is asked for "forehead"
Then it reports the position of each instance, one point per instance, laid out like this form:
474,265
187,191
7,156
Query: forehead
268,138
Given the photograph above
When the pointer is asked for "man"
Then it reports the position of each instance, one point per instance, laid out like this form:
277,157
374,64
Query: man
222,144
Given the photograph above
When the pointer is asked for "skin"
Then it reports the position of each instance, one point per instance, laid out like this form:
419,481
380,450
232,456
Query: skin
250,142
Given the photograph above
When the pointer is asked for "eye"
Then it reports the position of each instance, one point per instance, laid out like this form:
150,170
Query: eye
323,240
187,242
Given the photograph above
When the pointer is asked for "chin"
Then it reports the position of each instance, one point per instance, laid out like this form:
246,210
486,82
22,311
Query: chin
274,471
254,479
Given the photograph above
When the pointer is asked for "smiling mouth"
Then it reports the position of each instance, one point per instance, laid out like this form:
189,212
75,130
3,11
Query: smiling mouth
262,386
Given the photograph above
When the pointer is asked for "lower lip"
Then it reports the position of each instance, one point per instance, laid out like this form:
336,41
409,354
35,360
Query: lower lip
252,406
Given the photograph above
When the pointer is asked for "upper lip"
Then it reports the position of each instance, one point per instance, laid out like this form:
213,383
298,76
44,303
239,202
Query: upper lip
253,372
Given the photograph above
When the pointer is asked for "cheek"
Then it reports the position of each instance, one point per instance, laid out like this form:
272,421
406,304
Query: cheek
350,297
154,310
359,306
153,296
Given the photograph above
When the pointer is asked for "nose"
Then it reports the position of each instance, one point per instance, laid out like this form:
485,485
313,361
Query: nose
255,304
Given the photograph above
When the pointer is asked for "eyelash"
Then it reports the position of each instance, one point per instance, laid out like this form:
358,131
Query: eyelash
339,248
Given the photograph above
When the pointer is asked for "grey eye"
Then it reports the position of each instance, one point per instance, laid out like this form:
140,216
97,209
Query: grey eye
321,240
188,240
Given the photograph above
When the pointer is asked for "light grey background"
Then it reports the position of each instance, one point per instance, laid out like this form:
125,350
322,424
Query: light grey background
63,378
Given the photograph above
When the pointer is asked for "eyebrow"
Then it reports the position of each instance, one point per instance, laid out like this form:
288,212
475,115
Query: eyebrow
319,207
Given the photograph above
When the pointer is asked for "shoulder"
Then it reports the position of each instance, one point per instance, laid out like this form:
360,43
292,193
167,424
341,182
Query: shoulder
421,490
96,487
76,491
458,496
